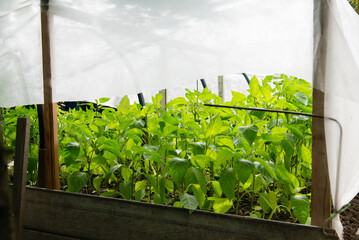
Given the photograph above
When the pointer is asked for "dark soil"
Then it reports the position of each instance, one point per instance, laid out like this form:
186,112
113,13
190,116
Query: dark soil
350,220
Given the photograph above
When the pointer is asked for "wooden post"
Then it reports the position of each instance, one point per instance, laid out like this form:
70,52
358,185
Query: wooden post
1,134
164,99
20,172
51,165
220,87
7,229
321,197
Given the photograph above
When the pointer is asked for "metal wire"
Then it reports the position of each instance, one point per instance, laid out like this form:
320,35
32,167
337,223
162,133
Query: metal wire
302,114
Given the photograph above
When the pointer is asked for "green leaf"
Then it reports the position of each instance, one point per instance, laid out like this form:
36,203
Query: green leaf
109,193
268,201
217,188
140,194
244,169
254,87
295,130
167,117
71,152
228,182
301,207
113,147
306,154
124,106
266,91
97,182
103,100
189,201
77,181
151,179
301,98
221,205
201,197
126,173
196,176
157,99
223,156
198,147
237,98
214,127
225,142
249,133
286,177
100,122
200,160
178,168
110,172
271,174
126,190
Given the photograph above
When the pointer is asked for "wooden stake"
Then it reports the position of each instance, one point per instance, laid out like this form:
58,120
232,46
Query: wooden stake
20,172
220,87
164,99
51,165
321,197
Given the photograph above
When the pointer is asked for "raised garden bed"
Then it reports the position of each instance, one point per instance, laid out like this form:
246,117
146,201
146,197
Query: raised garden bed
53,214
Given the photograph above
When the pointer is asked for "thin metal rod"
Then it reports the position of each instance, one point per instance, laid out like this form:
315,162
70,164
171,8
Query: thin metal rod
204,84
265,110
246,77
336,201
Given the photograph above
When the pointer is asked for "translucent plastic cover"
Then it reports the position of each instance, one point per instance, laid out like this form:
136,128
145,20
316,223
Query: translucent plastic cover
109,48
342,101
20,53
112,48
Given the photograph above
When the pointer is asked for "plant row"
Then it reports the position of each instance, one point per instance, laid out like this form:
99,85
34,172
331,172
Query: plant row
189,155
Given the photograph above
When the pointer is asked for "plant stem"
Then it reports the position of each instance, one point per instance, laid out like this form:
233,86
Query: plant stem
252,198
238,197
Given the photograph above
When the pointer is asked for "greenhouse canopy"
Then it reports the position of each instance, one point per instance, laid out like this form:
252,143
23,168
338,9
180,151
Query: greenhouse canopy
112,48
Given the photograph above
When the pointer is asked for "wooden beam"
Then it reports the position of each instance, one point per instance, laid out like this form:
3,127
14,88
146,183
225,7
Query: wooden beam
51,165
20,172
321,197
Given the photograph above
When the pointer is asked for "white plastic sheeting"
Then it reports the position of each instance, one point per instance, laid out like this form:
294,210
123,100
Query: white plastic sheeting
20,53
117,47
111,48
341,88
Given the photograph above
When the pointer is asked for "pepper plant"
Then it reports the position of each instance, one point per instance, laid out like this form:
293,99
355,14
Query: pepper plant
194,156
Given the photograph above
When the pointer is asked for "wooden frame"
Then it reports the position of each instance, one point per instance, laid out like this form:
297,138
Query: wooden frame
61,215
49,170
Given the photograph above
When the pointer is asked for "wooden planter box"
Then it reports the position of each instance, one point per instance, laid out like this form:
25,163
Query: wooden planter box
50,214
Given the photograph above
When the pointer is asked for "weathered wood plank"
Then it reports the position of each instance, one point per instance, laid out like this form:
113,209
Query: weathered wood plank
91,217
51,165
20,171
321,197
37,235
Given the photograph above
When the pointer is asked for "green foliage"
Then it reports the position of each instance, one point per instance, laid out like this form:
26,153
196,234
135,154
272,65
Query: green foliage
190,155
